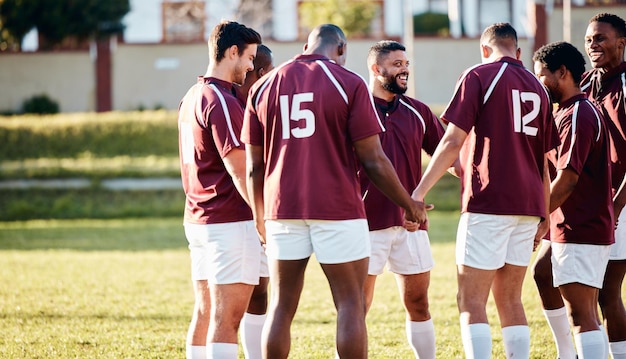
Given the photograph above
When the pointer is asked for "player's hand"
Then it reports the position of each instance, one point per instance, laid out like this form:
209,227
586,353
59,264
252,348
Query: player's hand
417,212
617,210
410,226
542,229
260,229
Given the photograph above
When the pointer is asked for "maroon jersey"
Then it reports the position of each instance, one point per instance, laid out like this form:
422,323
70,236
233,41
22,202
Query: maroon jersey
209,124
410,126
306,114
506,112
586,216
608,91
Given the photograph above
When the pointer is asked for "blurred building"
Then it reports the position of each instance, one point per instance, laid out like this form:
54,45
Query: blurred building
164,47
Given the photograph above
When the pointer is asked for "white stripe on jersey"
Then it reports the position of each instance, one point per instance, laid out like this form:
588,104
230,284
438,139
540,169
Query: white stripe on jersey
343,93
416,113
494,82
584,87
595,112
226,113
573,131
268,77
333,80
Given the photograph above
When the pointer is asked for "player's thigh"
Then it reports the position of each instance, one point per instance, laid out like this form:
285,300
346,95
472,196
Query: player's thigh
340,241
411,253
288,239
381,241
487,241
579,263
224,253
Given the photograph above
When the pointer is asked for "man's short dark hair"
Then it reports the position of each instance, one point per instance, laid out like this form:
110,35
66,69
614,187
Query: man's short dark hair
383,48
498,33
229,33
561,53
263,57
615,21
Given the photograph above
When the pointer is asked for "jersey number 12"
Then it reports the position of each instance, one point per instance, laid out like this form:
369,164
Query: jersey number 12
520,123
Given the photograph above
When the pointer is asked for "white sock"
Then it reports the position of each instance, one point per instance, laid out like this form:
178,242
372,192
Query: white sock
516,339
421,337
196,351
251,328
590,345
561,332
618,349
476,340
222,351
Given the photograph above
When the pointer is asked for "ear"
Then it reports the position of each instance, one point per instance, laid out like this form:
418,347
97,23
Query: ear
518,53
485,51
260,72
306,46
341,48
562,71
233,51
375,69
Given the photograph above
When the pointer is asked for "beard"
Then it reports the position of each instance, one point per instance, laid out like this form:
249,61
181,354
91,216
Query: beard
391,84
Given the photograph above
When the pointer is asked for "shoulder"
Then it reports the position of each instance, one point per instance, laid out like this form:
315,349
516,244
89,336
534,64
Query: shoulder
415,105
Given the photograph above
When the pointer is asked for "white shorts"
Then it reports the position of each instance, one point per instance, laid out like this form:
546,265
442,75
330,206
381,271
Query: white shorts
224,253
404,252
618,249
579,263
488,241
332,241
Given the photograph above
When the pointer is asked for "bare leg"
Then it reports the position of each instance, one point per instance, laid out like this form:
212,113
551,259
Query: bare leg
228,303
611,302
419,326
370,284
199,325
287,280
542,274
347,281
507,293
258,300
414,294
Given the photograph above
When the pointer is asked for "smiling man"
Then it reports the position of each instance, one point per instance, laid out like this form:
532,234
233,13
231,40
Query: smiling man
410,126
605,84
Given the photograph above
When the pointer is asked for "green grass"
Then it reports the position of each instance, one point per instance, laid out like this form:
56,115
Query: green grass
106,135
121,289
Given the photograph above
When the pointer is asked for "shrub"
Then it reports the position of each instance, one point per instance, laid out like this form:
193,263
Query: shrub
431,23
40,104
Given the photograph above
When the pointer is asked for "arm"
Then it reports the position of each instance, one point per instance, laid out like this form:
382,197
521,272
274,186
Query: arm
619,200
561,188
255,168
444,157
544,226
381,172
235,163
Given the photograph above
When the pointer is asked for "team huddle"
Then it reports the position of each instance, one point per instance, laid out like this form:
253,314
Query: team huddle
279,163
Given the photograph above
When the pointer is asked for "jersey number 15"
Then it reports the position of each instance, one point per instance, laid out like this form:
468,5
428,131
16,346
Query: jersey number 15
295,112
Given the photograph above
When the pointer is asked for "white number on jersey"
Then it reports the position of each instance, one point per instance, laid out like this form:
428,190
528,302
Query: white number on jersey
521,122
297,114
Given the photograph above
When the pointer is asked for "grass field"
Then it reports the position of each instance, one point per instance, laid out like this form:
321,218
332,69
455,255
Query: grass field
121,289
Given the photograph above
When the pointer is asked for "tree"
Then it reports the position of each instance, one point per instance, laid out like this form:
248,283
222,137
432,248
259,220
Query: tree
354,17
59,20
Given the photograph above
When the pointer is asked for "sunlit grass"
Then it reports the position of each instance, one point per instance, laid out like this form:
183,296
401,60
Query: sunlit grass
88,165
120,289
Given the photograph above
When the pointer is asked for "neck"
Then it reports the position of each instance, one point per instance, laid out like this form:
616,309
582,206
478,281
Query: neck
219,71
